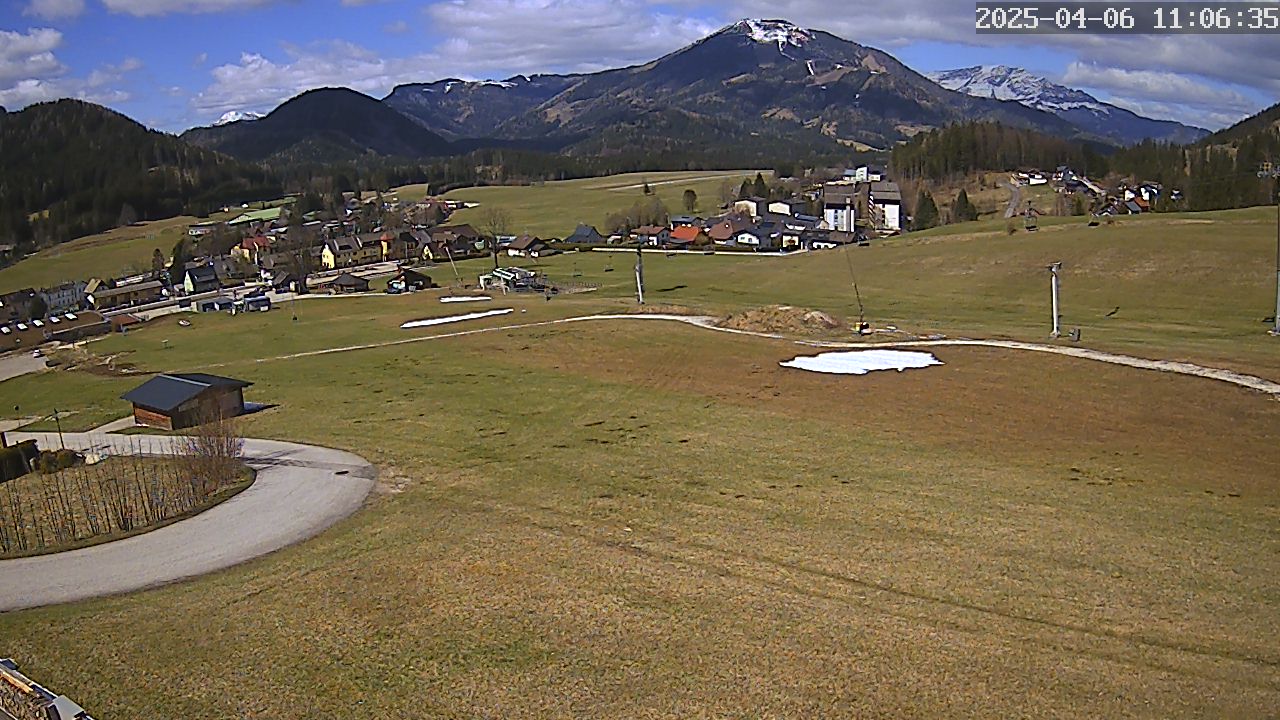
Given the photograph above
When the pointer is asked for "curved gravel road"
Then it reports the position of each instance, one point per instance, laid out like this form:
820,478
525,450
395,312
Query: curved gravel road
300,490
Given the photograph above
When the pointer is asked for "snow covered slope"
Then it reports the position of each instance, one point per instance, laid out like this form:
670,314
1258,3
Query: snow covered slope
1105,120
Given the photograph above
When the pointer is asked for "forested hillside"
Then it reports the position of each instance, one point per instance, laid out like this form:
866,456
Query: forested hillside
73,168
1217,173
970,147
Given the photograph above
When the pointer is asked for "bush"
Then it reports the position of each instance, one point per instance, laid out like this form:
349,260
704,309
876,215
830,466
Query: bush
51,461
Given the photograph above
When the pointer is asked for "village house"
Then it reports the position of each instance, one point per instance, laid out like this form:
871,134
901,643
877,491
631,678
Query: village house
585,235
840,205
200,279
753,206
201,229
652,235
688,236
369,248
764,236
865,173
347,283
528,246
106,298
725,229
16,306
885,205
252,248
63,297
339,252
787,207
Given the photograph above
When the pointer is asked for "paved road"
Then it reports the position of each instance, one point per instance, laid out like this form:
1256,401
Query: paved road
299,492
1015,200
19,363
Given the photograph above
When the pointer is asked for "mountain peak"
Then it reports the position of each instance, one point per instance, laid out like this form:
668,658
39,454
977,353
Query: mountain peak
771,31
236,116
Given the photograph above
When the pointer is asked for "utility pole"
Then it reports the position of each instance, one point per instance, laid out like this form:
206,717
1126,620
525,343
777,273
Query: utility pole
1267,170
58,421
1053,290
640,274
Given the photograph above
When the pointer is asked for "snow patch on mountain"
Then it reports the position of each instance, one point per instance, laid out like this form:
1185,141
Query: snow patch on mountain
1002,82
773,31
237,116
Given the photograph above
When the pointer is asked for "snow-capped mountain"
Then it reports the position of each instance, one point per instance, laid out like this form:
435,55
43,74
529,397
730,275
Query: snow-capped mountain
1002,82
236,116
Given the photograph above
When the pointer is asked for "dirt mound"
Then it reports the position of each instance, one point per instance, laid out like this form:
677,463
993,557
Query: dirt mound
786,320
74,358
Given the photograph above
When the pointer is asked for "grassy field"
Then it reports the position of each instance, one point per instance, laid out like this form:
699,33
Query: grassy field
643,519
103,255
554,209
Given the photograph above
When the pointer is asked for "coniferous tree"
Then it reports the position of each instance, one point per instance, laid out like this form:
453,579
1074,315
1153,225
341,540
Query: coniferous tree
963,210
178,267
760,188
926,215
690,201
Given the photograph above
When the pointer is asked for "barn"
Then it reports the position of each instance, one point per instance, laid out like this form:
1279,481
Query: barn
179,400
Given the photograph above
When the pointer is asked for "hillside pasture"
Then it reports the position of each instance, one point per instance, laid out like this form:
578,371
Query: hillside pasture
106,254
554,209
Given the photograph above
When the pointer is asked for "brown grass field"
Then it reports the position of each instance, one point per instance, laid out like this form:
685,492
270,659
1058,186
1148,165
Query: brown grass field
642,519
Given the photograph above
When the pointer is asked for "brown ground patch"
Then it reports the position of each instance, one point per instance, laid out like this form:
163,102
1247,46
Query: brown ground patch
787,320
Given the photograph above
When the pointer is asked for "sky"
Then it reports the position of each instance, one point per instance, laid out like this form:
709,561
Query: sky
174,64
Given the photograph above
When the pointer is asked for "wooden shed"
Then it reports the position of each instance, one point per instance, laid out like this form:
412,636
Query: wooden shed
179,400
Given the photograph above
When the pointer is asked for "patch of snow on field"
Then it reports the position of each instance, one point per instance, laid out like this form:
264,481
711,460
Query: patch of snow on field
453,319
465,298
861,362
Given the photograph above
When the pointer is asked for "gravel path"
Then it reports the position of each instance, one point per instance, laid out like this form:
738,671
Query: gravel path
300,490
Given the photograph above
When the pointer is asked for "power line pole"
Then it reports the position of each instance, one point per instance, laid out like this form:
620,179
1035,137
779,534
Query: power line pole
640,274
1268,171
1053,292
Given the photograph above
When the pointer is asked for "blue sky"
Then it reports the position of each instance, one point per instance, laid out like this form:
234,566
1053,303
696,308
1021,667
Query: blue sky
172,64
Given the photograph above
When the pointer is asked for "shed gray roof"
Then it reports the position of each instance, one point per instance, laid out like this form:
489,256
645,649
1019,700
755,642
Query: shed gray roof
166,392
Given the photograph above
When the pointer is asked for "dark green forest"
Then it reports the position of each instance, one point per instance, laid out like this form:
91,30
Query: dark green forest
73,168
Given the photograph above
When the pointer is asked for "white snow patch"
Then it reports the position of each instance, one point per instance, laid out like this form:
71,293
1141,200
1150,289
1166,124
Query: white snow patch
453,319
465,298
775,31
861,362
809,64
237,116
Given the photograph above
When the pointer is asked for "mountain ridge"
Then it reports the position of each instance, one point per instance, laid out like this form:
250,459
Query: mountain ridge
1081,109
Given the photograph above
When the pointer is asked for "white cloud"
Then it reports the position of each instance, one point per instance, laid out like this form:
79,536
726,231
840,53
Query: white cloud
144,8
258,83
29,55
527,36
31,73
1157,86
399,27
54,9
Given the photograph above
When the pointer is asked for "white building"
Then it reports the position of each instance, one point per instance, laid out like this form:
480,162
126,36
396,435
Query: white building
67,296
840,205
886,206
